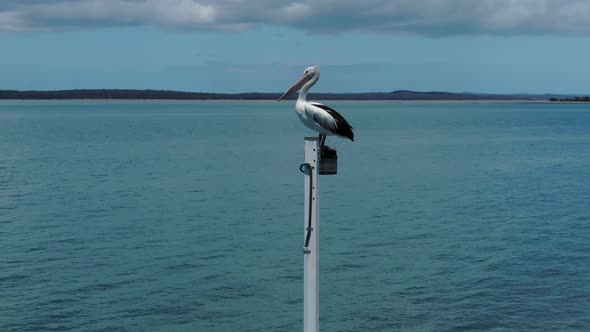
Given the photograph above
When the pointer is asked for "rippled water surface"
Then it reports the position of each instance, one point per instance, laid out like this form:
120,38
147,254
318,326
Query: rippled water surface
188,216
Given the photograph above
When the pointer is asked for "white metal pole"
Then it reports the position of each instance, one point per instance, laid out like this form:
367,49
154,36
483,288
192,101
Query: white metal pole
311,285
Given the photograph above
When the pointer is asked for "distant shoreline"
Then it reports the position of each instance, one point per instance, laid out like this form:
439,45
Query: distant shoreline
415,101
398,95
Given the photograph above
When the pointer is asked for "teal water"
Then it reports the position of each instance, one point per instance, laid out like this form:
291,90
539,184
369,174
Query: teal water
188,216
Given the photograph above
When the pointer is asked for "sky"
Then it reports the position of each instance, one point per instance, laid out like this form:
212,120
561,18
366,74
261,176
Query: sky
493,46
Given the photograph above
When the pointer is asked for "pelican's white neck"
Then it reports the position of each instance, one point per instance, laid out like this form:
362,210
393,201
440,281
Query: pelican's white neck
306,87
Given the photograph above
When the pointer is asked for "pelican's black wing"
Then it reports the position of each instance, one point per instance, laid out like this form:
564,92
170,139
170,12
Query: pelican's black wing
342,128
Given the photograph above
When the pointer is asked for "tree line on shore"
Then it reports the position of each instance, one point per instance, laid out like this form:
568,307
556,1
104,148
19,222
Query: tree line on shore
585,99
130,94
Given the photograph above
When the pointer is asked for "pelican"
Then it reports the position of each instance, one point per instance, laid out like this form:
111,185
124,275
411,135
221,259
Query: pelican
316,116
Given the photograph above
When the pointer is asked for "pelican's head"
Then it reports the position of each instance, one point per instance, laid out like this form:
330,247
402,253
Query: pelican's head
310,75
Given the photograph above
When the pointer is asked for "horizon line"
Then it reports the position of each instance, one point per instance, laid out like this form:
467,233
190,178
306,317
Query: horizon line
312,93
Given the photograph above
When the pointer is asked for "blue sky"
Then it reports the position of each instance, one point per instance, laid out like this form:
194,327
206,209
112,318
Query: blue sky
496,46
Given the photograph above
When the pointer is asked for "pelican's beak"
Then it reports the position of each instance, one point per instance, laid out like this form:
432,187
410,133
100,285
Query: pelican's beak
296,87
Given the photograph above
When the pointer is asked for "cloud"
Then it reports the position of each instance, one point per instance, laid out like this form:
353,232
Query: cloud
72,14
425,17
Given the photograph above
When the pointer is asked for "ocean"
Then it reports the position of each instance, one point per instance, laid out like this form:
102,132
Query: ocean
188,216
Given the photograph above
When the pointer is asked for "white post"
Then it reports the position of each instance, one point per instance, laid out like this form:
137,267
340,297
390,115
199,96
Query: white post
311,262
